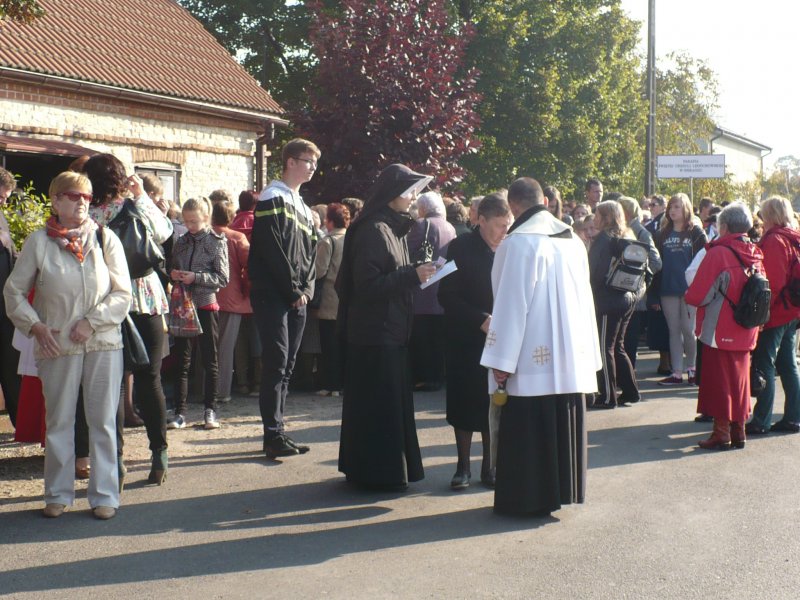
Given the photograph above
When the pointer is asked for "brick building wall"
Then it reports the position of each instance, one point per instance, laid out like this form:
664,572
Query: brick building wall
210,152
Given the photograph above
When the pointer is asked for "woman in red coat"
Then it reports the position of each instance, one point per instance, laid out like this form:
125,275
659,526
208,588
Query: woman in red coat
726,344
777,342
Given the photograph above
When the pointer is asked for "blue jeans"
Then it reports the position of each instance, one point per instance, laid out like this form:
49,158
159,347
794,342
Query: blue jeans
775,352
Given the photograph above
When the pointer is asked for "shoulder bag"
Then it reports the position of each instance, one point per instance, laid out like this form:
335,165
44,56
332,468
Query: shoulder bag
134,352
142,252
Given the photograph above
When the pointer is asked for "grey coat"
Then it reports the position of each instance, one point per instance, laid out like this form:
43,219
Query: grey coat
205,254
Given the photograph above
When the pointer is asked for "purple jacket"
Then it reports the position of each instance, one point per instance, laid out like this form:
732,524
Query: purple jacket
440,234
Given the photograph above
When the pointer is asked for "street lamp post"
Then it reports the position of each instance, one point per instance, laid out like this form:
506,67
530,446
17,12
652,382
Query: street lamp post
650,150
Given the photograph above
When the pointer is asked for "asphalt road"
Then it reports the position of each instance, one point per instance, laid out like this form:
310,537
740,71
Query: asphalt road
662,519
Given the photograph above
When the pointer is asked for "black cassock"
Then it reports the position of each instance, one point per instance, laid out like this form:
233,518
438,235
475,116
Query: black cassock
541,454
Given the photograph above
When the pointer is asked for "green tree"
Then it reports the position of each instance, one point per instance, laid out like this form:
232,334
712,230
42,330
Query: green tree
268,37
785,179
562,94
23,11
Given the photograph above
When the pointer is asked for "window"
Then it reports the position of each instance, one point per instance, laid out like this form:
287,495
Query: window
169,175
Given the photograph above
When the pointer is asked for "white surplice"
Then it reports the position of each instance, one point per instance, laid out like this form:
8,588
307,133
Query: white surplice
543,328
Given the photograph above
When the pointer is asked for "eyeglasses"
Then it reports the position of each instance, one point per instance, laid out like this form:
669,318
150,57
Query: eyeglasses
77,196
311,163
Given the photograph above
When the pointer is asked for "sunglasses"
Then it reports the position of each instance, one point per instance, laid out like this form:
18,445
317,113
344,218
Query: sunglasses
77,196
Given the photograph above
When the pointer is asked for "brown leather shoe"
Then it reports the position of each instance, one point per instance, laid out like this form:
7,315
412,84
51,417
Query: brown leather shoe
53,511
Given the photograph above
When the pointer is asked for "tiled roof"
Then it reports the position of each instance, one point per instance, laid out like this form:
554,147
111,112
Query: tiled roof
154,46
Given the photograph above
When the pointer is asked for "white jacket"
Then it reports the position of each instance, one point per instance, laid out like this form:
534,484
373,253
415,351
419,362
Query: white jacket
543,328
99,290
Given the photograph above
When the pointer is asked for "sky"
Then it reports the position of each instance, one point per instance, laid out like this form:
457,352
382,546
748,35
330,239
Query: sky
753,49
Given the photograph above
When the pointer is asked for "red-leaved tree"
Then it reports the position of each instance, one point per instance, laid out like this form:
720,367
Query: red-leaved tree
388,88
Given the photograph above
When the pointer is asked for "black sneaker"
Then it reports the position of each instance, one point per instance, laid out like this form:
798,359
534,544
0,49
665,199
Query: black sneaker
279,446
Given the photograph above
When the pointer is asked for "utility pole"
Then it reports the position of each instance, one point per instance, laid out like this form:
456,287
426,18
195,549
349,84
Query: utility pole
650,150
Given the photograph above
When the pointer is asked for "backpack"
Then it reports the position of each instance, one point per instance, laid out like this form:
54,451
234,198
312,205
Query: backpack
628,268
142,253
791,291
752,310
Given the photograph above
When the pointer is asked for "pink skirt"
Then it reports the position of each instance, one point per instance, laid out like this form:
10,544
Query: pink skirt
725,384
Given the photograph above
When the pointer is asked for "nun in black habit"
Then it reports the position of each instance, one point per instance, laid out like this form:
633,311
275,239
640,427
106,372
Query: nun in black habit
378,446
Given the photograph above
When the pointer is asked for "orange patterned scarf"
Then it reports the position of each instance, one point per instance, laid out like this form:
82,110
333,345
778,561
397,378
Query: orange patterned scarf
71,240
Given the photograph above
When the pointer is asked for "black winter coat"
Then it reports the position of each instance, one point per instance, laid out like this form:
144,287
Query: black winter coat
606,299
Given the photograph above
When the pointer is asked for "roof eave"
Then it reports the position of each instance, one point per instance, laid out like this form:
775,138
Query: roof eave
110,91
741,139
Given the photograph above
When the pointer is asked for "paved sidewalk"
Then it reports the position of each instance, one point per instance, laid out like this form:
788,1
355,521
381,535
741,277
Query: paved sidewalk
662,519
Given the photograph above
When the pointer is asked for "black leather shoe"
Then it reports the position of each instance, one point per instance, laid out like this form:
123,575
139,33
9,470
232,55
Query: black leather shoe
703,419
460,480
752,429
279,446
598,405
785,427
300,448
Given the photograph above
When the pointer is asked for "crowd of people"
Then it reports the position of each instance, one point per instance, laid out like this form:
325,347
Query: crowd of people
540,320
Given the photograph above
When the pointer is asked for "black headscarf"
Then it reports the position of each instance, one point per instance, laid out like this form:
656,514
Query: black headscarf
395,180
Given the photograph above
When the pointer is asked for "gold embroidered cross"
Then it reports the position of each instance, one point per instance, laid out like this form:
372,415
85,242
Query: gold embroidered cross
491,338
541,356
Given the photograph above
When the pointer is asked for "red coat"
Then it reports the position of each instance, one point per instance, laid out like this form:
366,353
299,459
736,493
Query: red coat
243,222
778,259
720,273
235,297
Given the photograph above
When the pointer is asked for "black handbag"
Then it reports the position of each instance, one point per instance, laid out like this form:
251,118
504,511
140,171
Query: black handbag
142,253
134,352
424,253
757,381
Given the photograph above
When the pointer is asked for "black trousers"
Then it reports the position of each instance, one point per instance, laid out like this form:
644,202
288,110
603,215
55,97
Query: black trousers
9,362
632,335
147,387
207,341
617,370
280,328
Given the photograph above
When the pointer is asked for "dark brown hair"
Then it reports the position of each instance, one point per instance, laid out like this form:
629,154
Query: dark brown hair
107,174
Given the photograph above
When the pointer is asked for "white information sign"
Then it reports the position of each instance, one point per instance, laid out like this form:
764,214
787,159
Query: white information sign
691,166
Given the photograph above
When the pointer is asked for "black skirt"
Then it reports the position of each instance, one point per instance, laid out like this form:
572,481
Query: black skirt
541,454
378,445
467,384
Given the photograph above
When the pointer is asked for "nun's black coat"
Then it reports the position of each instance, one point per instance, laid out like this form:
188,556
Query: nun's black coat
378,445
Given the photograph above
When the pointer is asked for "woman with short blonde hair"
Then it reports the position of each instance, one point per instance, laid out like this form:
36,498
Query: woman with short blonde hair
82,294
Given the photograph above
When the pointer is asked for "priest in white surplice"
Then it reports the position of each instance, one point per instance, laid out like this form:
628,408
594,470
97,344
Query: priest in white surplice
542,345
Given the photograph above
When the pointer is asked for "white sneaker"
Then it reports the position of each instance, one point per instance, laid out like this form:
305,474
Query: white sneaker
210,418
176,422
322,393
